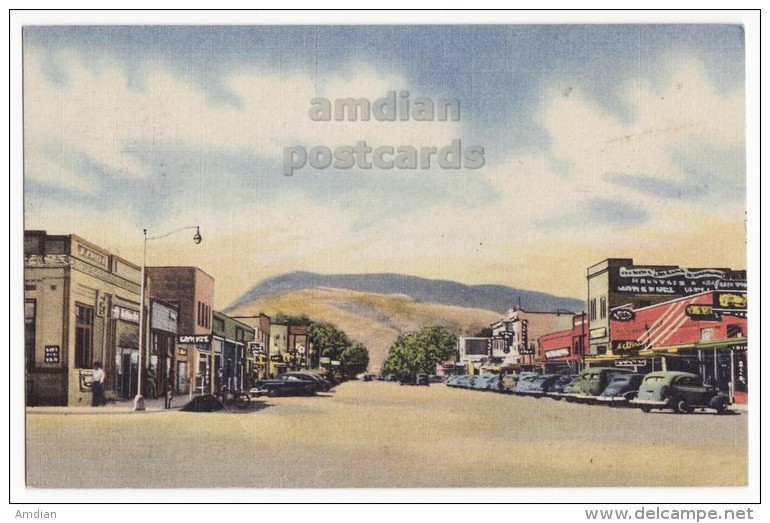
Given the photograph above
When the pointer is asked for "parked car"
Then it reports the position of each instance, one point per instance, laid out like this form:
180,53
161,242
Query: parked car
450,381
621,389
681,391
508,382
422,379
524,382
284,385
591,382
321,384
539,386
465,381
558,388
487,382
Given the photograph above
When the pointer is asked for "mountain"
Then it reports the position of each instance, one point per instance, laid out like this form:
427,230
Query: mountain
375,309
489,297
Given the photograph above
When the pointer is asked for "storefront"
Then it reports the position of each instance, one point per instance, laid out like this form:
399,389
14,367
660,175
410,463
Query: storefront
81,307
704,334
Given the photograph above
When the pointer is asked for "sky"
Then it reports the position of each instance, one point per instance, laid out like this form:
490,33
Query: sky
597,141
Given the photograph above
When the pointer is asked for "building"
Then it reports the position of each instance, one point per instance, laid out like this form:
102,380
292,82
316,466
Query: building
230,340
705,334
516,334
257,353
81,306
472,352
565,349
161,357
191,292
617,282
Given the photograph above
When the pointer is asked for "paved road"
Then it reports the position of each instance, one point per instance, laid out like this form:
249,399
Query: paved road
377,434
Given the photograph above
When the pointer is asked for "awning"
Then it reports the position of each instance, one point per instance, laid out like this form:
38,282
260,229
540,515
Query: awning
602,358
729,343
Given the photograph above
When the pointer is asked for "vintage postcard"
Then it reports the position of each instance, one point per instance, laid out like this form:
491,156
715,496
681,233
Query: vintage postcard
483,258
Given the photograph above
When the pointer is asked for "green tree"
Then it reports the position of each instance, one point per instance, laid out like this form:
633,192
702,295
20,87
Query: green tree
354,360
419,352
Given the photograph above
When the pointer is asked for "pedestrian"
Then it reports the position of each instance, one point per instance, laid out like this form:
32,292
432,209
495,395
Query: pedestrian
97,386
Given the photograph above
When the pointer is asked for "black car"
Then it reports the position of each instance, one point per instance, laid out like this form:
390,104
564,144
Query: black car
321,384
284,385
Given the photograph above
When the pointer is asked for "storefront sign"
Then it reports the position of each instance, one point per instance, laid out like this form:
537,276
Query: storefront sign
732,285
730,301
90,255
52,354
630,363
701,312
626,346
193,338
525,338
622,315
121,313
557,353
678,281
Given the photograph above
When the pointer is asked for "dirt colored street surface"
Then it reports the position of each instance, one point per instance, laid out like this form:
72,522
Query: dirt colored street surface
378,435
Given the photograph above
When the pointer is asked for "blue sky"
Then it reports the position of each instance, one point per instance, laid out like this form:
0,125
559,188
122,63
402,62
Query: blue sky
599,141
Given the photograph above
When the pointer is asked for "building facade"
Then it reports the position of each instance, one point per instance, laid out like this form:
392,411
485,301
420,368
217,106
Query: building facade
517,333
704,334
565,349
81,306
191,292
617,282
230,339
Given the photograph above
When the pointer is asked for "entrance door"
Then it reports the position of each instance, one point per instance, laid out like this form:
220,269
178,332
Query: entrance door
127,372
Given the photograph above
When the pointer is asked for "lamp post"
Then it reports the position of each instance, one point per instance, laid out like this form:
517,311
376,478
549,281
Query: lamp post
197,238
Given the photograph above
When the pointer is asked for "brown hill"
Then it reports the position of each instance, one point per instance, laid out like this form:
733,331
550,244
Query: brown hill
375,320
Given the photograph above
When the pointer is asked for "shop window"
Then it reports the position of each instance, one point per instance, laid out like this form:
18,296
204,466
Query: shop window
601,349
84,323
29,332
239,334
734,331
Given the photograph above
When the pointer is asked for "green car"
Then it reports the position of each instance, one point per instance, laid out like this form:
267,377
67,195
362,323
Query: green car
591,382
681,391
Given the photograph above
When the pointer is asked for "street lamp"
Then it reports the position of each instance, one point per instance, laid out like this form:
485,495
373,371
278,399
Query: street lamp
197,238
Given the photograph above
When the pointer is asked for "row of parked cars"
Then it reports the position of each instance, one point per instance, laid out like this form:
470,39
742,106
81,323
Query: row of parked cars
681,391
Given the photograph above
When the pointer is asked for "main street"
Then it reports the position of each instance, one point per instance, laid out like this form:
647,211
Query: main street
380,434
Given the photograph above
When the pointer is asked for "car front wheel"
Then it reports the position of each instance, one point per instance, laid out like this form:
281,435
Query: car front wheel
646,409
682,407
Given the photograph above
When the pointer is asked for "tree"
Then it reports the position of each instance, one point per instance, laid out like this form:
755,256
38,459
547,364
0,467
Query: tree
419,352
328,340
354,360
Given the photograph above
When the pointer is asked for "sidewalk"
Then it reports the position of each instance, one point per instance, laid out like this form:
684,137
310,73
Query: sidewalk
115,407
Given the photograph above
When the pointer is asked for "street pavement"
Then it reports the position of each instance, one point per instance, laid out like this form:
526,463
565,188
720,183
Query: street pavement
380,435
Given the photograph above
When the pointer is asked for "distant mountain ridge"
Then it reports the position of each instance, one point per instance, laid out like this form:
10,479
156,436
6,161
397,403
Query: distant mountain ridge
497,298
